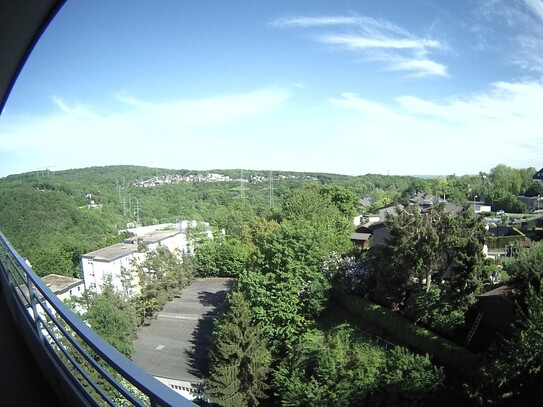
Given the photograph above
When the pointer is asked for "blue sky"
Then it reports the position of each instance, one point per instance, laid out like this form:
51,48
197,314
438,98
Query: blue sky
400,87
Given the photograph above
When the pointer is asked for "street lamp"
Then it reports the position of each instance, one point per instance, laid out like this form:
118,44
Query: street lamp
474,198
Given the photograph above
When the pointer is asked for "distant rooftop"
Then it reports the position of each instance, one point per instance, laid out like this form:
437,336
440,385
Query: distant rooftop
111,253
60,284
153,237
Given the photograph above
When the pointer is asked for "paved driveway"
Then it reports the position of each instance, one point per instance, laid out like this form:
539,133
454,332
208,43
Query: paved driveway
175,344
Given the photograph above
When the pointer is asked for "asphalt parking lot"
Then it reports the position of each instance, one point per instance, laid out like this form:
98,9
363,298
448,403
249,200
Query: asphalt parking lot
175,344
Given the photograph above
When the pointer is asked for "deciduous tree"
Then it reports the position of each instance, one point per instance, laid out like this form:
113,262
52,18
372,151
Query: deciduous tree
113,318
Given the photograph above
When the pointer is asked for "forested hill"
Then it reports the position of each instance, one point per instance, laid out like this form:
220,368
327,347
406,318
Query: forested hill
47,214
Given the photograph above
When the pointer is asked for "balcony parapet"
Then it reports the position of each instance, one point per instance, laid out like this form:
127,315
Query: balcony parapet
82,368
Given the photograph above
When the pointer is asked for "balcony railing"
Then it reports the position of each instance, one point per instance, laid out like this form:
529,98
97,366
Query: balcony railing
82,368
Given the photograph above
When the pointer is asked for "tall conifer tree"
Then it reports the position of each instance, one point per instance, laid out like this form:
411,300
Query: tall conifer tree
240,359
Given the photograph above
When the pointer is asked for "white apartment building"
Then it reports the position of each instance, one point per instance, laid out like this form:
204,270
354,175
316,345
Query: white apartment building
110,261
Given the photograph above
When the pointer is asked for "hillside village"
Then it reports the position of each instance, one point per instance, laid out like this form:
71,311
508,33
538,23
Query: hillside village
210,177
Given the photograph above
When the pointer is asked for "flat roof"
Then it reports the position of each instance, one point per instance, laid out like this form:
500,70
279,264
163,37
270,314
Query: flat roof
153,237
60,284
111,253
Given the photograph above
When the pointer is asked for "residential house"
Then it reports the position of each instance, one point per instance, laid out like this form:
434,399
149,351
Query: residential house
538,176
64,287
375,232
532,202
369,235
361,237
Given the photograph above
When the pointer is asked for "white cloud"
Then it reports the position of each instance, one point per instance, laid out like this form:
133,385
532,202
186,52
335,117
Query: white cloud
268,130
453,136
211,112
374,40
139,132
353,42
420,67
536,7
523,27
306,22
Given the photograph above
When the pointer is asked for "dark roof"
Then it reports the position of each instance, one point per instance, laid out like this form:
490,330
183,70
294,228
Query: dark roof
365,201
504,290
422,199
363,229
377,225
538,175
360,236
21,25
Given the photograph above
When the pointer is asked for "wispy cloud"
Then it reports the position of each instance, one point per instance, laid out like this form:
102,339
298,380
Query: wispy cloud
354,42
525,17
374,40
420,67
306,22
536,8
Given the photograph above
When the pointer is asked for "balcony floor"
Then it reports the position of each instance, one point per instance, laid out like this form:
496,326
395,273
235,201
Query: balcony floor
22,383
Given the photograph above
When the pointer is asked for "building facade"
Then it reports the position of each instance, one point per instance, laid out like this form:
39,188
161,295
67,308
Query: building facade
115,262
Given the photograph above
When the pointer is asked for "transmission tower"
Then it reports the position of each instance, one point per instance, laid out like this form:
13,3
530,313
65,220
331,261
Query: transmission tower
241,189
137,212
271,188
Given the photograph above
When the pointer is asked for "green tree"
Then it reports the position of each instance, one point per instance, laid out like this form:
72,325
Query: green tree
317,210
232,218
507,178
408,379
285,285
501,199
344,199
222,256
240,359
434,309
534,189
334,369
284,281
113,318
161,274
52,260
527,174
430,247
513,375
526,270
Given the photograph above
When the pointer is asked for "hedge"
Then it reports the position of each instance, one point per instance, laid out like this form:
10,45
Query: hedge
416,338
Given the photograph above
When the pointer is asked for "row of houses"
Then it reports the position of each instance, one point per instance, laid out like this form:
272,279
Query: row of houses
374,230
496,309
